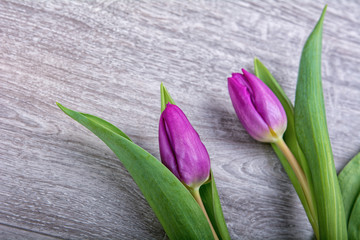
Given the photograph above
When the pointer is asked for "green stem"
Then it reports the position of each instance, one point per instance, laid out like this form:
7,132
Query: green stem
196,195
301,178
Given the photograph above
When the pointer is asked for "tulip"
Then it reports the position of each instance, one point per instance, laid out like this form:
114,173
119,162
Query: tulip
264,118
181,149
257,107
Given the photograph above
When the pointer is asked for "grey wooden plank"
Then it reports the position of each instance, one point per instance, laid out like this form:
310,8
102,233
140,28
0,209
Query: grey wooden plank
108,58
13,232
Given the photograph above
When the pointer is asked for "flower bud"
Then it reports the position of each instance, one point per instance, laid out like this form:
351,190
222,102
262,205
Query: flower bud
181,149
257,107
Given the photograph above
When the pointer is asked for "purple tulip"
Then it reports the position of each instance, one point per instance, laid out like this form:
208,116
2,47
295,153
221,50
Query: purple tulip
181,149
257,107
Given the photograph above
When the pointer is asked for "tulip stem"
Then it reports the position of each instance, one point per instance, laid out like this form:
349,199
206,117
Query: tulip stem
301,178
196,195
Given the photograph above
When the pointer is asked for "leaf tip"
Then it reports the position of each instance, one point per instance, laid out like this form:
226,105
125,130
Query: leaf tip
64,109
60,106
165,97
319,24
257,64
325,7
323,14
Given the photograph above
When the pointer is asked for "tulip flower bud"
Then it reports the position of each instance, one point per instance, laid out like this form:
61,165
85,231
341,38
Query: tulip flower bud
181,149
257,107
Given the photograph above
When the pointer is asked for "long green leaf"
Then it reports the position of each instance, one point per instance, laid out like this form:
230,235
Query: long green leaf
354,221
105,124
349,180
210,198
208,192
313,138
172,203
290,139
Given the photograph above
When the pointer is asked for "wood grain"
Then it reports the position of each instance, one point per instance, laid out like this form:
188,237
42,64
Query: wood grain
108,58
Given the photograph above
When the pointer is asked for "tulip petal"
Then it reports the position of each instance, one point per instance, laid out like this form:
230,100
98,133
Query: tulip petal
166,151
245,109
190,154
267,104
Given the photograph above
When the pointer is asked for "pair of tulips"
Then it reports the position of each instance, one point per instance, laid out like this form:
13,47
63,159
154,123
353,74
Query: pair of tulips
181,149
257,108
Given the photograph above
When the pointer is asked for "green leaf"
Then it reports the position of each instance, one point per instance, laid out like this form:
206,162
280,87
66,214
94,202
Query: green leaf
104,124
208,192
354,221
165,97
211,201
313,138
176,209
290,139
349,180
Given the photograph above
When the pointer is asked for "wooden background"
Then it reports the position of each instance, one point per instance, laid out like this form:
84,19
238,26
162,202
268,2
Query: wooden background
108,58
